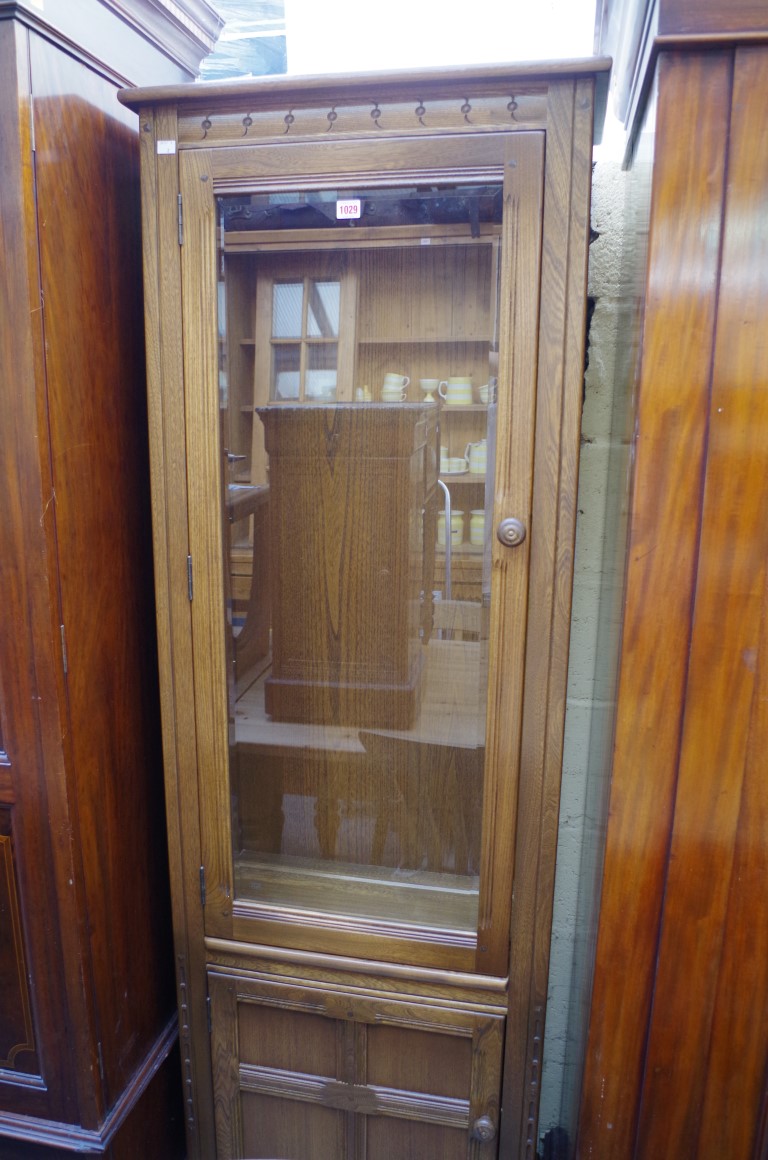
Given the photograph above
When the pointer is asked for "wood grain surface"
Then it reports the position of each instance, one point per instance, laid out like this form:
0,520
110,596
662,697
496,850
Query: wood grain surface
712,976
559,376
28,651
679,1032
166,394
672,420
697,17
389,1070
99,479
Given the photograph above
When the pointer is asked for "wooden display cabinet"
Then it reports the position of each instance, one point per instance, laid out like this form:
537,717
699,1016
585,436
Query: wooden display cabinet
355,776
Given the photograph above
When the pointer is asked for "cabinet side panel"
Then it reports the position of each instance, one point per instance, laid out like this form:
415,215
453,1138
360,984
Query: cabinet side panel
31,763
88,213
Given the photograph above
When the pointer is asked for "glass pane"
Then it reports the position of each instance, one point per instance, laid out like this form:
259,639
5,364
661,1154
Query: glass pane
323,309
321,371
286,372
408,206
287,303
358,707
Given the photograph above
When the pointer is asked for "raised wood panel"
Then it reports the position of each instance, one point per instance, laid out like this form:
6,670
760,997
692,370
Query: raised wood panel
388,1139
293,1041
275,1127
712,976
404,1058
17,1045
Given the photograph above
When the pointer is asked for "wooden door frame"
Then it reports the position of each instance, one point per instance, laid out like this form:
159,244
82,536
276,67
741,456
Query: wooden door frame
518,160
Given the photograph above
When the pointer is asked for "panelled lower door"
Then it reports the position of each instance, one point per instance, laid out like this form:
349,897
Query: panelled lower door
304,1071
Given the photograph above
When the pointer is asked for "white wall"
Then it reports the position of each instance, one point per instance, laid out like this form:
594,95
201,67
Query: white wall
402,34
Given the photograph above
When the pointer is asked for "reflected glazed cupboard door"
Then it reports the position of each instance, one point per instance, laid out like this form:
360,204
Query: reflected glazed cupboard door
360,397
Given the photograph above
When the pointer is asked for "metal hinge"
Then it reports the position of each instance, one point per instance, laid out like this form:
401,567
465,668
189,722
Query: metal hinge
64,650
189,577
208,1010
202,887
181,221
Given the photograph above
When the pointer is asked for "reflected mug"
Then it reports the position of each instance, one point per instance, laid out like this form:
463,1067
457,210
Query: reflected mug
457,392
394,388
476,455
477,527
457,528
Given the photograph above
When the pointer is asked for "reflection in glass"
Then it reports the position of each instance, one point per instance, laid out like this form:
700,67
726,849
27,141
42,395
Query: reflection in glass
358,659
286,371
323,309
321,371
287,302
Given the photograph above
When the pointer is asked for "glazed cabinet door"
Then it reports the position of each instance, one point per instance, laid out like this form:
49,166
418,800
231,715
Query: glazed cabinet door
317,1074
360,369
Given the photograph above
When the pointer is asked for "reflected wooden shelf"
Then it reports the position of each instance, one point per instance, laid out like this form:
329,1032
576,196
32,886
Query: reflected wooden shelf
462,549
462,408
466,477
380,896
430,340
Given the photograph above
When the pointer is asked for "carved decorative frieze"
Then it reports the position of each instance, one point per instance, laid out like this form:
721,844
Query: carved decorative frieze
356,117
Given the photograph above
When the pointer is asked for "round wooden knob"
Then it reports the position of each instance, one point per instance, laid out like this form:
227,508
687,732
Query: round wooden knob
511,532
484,1129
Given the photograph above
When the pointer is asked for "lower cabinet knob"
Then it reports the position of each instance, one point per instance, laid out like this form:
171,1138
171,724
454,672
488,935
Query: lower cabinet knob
484,1129
511,532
